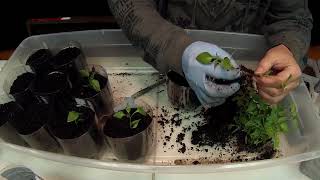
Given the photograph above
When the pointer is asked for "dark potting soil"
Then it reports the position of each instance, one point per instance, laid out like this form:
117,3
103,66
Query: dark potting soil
22,83
216,130
8,111
65,56
40,57
70,130
50,83
82,90
177,79
120,128
32,118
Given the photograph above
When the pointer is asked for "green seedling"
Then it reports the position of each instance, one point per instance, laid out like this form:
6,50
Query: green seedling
286,82
74,116
206,58
93,83
262,122
127,113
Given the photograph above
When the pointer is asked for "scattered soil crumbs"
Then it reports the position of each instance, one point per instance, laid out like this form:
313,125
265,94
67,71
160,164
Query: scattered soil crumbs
180,137
183,149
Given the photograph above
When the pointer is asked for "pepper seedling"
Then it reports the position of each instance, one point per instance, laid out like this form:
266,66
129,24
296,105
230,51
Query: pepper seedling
206,58
74,116
127,113
93,83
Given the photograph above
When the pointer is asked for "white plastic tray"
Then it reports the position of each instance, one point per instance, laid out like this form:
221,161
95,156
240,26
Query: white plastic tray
111,50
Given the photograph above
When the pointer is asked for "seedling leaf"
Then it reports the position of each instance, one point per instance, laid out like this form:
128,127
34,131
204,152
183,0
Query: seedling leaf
84,73
226,64
141,111
135,123
205,58
95,85
128,109
73,116
119,115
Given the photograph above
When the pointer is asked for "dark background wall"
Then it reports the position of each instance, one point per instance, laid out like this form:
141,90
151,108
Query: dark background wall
13,21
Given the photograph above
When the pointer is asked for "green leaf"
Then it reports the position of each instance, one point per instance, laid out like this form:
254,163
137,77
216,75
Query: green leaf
84,73
141,111
226,64
284,127
73,116
128,109
135,123
119,115
204,58
94,84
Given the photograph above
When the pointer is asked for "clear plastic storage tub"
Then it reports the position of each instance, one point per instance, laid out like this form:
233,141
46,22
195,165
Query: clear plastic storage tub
128,73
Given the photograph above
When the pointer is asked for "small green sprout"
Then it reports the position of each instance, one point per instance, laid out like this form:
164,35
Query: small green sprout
74,116
93,83
127,113
206,58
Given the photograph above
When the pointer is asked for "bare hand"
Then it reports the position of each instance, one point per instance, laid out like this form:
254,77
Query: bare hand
274,88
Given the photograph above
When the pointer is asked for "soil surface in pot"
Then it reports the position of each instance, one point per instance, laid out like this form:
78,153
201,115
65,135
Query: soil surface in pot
66,56
7,111
40,59
120,128
32,118
21,83
50,83
177,79
63,129
82,90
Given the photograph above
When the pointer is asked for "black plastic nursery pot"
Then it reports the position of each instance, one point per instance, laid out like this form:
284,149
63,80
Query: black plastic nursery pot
31,124
180,93
101,100
40,61
79,137
17,84
70,61
8,112
51,87
130,144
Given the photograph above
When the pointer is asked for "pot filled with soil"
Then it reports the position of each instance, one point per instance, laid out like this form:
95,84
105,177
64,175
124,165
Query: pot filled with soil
31,126
52,87
76,131
94,87
8,111
179,92
17,84
70,61
129,132
39,61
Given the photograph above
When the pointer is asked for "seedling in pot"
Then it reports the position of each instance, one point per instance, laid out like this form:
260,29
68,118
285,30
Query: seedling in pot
91,81
127,113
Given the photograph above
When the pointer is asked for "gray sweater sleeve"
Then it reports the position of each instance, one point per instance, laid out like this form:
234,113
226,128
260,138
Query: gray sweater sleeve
162,41
289,22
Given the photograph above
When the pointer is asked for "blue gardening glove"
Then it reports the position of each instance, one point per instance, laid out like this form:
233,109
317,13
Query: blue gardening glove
200,60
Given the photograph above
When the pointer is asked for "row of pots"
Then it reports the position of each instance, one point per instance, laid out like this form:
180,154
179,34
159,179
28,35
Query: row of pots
47,92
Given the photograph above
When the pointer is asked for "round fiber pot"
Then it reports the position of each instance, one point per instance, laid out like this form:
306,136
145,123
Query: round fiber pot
180,93
127,143
39,61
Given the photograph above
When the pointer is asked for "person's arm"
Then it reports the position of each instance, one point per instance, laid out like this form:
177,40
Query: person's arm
145,28
289,22
288,32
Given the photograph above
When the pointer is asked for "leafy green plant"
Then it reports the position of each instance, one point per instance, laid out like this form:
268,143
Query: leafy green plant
207,58
262,122
127,113
93,83
74,116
